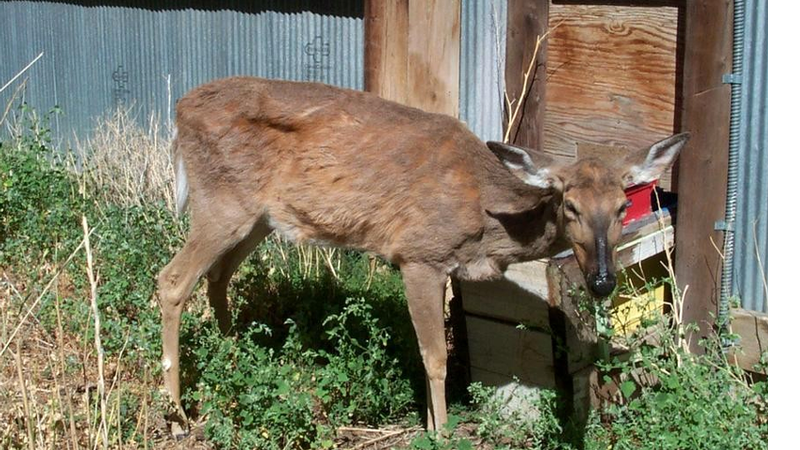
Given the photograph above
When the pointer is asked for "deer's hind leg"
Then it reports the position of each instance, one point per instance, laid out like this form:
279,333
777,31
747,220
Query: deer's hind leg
211,236
221,272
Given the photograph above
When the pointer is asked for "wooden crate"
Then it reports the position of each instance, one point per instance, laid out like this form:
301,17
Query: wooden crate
508,329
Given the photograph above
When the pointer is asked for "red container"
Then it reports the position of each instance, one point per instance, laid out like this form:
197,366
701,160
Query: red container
639,197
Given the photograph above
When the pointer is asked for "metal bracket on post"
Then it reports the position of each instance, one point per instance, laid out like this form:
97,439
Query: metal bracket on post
723,225
732,78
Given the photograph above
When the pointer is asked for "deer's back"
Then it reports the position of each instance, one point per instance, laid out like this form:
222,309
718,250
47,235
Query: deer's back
336,166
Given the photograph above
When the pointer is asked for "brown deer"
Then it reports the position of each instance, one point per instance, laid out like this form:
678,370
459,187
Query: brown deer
344,168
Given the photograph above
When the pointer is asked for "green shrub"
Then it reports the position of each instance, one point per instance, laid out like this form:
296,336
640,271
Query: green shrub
295,396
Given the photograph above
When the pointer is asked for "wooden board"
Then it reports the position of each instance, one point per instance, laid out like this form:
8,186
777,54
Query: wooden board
386,49
412,52
578,328
635,250
611,76
703,162
520,297
503,349
753,330
434,45
527,19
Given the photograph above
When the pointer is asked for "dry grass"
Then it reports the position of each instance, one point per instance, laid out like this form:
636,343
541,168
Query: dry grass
126,164
49,403
57,390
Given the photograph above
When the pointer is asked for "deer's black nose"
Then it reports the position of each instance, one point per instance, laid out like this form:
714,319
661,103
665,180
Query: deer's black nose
602,284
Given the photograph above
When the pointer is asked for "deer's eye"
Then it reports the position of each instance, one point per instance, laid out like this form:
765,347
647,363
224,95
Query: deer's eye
624,208
571,208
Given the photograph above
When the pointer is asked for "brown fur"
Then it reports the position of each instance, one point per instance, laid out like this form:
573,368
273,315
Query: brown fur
348,169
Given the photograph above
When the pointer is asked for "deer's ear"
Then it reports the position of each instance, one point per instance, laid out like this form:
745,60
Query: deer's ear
532,167
648,165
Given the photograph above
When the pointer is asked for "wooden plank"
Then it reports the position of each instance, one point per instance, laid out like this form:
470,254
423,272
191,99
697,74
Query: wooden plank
576,326
530,275
611,76
506,350
434,45
703,162
527,19
586,394
520,297
753,330
386,49
637,250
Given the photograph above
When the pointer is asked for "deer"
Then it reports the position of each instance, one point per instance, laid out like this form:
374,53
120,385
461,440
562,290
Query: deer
344,168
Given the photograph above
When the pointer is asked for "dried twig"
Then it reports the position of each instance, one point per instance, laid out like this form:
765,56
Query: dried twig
378,439
21,72
25,402
760,262
73,434
526,77
101,383
359,430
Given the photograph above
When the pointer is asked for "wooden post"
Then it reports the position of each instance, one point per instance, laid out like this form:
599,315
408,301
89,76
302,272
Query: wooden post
386,48
527,19
703,163
412,52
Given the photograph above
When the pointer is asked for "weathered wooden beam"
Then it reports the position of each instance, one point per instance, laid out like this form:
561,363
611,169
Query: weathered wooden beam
412,52
386,49
434,51
703,162
527,19
502,348
753,330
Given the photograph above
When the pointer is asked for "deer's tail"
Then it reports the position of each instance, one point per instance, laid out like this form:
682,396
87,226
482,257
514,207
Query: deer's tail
181,182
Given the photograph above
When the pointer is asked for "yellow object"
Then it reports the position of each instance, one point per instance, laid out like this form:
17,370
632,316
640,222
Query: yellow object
627,311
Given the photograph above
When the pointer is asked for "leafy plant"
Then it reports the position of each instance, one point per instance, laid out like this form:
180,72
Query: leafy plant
673,399
259,397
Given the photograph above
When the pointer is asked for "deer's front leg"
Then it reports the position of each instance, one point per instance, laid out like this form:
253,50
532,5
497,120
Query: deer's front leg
425,291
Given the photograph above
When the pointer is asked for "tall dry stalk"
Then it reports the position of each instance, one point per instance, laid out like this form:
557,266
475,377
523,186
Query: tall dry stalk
101,383
682,339
23,388
73,434
760,262
46,289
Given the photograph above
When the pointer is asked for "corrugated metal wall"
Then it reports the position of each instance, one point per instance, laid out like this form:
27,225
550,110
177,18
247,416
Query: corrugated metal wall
750,251
99,54
482,78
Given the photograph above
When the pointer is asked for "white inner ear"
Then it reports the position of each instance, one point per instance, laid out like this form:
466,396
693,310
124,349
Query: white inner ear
538,178
541,178
640,175
659,158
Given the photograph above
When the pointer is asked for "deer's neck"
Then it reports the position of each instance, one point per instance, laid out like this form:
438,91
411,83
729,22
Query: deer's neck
526,236
510,238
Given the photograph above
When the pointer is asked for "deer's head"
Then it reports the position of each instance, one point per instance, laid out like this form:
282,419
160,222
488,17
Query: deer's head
590,196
